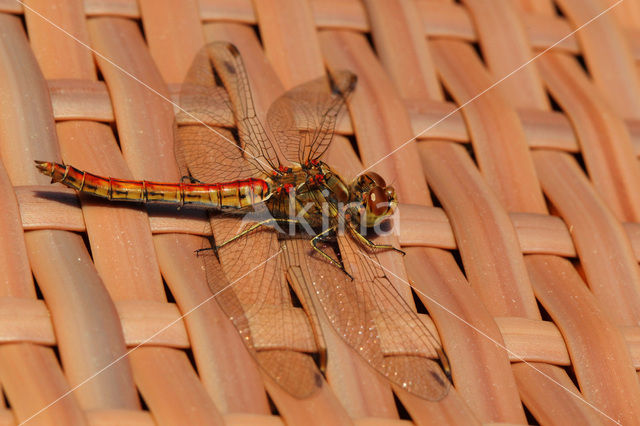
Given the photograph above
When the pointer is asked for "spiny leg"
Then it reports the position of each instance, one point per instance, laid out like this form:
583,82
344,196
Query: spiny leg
325,235
367,242
256,226
246,231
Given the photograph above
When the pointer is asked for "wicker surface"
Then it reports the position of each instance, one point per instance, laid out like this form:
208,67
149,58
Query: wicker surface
534,245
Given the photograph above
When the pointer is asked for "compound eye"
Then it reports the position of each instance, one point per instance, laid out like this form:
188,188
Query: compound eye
377,179
377,202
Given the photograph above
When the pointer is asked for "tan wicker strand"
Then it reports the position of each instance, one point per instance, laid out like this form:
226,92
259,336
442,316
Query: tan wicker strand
87,100
519,212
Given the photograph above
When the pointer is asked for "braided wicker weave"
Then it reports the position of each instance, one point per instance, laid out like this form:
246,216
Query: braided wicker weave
528,263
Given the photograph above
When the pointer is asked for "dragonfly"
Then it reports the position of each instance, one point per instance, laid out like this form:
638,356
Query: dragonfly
278,179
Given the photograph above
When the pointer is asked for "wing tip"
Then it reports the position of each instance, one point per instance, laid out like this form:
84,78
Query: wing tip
233,49
344,83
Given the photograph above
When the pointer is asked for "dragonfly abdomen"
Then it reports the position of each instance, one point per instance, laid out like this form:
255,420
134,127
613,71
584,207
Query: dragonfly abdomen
229,195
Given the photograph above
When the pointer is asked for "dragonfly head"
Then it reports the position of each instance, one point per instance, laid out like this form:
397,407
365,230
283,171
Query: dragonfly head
378,200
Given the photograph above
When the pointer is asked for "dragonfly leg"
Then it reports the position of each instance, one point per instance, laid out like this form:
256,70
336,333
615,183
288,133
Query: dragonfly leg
325,235
256,226
367,242
202,250
189,179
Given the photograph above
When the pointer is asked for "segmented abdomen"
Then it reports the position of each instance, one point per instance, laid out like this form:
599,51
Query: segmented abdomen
229,195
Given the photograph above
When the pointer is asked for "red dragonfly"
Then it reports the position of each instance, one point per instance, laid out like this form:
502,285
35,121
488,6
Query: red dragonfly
288,187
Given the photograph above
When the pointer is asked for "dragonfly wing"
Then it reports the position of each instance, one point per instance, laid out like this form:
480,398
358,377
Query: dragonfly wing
373,318
204,150
248,284
211,155
230,68
304,118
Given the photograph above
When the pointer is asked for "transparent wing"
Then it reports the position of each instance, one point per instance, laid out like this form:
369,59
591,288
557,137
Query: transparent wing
304,118
254,140
248,284
204,151
373,318
210,155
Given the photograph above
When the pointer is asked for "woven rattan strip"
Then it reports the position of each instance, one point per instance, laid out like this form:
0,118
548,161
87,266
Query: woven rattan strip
510,130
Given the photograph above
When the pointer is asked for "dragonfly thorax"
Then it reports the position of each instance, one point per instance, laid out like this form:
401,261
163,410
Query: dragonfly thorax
317,194
311,194
310,177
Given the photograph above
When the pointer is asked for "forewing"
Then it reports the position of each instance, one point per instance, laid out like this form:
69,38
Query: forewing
205,151
257,147
373,318
303,120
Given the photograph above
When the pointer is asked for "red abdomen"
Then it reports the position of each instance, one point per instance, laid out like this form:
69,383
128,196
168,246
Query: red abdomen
228,195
